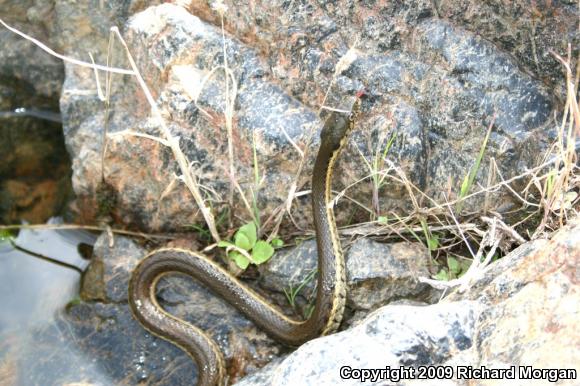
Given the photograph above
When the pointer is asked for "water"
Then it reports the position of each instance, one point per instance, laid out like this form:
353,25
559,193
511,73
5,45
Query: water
33,290
35,113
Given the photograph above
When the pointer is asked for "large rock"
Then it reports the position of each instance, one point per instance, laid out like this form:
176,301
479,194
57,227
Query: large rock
523,312
377,274
435,89
392,336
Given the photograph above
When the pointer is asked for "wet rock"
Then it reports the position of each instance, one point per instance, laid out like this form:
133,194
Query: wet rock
522,312
109,348
106,281
107,277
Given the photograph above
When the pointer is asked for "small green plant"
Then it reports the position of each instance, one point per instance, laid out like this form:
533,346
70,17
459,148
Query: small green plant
246,247
375,167
73,302
432,239
203,231
469,179
383,220
257,181
277,243
455,269
6,236
292,292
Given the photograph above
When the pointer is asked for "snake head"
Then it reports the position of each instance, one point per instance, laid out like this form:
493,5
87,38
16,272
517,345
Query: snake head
338,125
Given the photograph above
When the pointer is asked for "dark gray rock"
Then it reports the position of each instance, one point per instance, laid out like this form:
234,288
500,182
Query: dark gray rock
120,351
106,282
377,274
107,277
39,76
290,268
489,80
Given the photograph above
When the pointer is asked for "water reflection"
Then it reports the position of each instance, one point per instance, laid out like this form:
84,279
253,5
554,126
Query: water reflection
32,291
35,113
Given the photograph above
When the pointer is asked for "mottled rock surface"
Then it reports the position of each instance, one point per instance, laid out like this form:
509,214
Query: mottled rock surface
532,307
522,312
377,273
434,85
392,336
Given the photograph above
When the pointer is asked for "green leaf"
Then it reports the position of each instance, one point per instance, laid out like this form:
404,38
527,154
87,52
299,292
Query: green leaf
442,275
240,260
433,242
262,251
464,186
225,244
277,243
383,219
75,302
242,241
453,265
246,236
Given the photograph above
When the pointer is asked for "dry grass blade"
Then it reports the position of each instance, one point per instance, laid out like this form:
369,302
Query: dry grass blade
169,139
173,142
81,63
84,227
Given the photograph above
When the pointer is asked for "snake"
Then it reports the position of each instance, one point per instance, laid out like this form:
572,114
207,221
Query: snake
331,282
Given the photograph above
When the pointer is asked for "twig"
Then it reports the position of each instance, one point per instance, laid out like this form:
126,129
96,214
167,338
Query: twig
84,227
66,58
45,258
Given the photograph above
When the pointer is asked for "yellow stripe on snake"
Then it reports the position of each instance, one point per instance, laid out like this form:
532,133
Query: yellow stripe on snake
331,285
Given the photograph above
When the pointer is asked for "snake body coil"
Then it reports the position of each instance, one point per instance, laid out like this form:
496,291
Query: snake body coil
331,287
